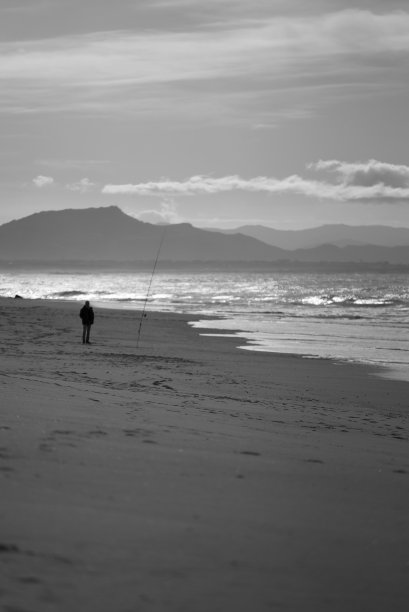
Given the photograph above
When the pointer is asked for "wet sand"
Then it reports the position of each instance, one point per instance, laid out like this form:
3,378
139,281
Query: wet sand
188,475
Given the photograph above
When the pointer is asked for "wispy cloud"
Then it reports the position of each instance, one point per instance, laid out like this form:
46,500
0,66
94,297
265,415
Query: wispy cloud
82,186
43,181
372,181
125,69
167,213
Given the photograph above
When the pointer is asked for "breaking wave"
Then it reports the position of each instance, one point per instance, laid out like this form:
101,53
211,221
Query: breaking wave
334,300
358,317
65,294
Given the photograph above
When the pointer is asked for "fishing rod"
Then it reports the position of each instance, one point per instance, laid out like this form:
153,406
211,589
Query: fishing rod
143,314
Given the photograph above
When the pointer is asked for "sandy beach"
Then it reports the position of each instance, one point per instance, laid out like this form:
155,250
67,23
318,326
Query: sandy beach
188,475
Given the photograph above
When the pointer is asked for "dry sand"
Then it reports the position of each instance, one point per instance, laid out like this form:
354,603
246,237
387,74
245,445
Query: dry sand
189,475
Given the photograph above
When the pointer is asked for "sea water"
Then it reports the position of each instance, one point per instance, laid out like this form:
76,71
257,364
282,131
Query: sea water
361,317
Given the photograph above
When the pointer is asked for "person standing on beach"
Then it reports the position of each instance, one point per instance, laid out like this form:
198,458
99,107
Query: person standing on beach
87,317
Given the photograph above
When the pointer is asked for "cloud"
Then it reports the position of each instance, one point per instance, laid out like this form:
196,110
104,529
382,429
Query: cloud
83,186
366,174
43,181
166,214
197,185
371,181
234,56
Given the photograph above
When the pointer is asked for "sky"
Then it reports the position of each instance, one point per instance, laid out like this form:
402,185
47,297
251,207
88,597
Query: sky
284,113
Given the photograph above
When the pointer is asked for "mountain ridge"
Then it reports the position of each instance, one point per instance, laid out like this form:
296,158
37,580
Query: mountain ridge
337,234
107,234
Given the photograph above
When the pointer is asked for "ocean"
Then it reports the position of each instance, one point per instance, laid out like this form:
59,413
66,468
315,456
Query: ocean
358,317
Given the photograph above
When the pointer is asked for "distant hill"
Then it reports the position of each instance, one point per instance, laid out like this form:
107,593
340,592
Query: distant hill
108,234
339,235
356,253
100,235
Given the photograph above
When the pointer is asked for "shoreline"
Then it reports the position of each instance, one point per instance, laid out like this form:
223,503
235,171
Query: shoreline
189,319
315,321
388,370
383,371
188,475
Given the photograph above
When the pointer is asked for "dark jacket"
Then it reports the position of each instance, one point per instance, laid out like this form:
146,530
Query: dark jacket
87,315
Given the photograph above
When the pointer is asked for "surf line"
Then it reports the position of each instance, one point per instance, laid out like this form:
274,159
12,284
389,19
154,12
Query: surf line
143,313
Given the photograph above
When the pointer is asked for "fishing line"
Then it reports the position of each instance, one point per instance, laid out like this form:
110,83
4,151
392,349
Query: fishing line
143,315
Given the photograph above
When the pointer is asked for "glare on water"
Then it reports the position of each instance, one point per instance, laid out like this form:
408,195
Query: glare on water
358,317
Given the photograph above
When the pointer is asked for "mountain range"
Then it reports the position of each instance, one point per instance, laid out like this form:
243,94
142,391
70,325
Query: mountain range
98,235
108,234
338,235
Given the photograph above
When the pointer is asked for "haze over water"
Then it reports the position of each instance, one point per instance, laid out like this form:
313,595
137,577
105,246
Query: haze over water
354,317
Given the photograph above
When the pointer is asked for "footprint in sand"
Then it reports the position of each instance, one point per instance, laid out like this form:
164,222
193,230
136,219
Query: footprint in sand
8,548
29,580
137,431
47,448
398,436
63,432
161,383
132,432
4,453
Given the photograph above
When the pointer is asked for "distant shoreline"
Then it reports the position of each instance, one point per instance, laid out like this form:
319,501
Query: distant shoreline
202,266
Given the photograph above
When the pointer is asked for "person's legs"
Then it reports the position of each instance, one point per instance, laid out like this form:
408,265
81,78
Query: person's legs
88,332
84,332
